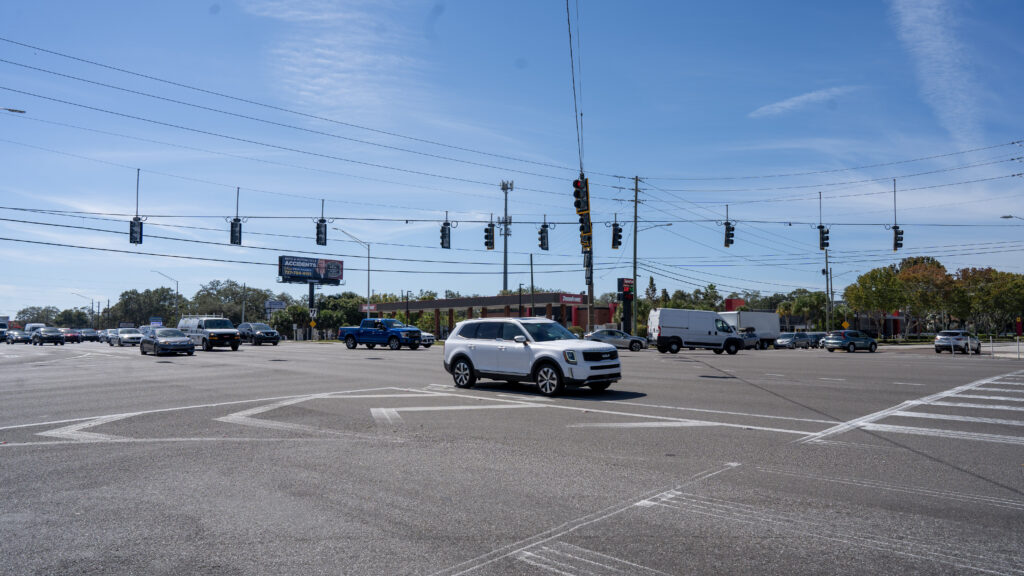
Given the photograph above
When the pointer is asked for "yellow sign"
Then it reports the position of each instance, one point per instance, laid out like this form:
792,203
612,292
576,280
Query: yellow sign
312,323
845,324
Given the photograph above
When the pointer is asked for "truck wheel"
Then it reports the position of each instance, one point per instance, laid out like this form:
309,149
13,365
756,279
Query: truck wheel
425,346
634,346
717,350
206,345
673,347
462,373
234,346
350,342
549,380
394,343
731,349
662,349
371,346
413,346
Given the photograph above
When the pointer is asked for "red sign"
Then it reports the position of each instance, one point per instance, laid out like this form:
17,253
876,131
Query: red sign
367,307
571,299
1019,331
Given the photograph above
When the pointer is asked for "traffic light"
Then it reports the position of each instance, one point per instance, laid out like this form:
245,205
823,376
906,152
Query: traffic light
236,232
822,237
616,236
135,230
730,231
585,228
542,237
321,232
581,193
897,238
446,234
489,236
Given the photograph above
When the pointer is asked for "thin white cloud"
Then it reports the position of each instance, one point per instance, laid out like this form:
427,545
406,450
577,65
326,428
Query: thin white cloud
801,101
926,28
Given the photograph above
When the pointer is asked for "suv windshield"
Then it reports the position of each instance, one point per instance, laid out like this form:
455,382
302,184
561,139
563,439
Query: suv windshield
261,327
548,331
218,324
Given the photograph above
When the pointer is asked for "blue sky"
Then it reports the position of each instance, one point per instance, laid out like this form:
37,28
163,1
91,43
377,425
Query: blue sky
393,111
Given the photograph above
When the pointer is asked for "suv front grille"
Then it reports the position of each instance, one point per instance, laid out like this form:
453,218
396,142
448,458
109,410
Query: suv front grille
600,356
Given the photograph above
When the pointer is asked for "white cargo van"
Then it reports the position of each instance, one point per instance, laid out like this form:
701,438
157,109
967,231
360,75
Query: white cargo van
766,324
672,329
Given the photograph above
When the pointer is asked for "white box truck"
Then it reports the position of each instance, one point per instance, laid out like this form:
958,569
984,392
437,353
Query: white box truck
766,324
672,329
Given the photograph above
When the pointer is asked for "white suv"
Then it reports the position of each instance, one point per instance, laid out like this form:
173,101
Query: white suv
528,349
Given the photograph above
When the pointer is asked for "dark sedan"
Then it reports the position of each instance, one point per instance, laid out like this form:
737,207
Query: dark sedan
18,337
71,335
47,335
166,341
257,333
89,335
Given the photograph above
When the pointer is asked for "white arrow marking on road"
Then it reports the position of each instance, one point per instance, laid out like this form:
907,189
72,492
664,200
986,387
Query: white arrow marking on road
74,431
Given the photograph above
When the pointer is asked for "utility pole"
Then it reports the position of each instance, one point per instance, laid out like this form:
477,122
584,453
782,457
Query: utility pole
243,303
533,295
636,239
506,231
828,294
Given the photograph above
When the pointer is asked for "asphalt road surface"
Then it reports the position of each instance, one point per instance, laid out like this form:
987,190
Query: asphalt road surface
309,458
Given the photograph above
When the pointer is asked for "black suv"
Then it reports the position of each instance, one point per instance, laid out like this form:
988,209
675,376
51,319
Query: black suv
257,333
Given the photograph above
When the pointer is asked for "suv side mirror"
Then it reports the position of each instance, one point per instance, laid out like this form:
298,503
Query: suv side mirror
520,339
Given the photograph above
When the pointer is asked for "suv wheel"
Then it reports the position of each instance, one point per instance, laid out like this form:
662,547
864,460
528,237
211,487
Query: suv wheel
872,347
350,342
413,346
634,346
600,387
549,380
851,347
462,373
394,343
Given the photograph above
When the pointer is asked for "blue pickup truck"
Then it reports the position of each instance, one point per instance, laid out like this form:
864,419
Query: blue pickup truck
383,331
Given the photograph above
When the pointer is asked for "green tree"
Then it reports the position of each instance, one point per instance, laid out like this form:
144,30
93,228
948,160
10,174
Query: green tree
876,292
652,291
34,314
785,310
227,297
73,318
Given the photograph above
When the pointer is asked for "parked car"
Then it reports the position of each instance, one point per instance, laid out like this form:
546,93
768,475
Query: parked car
849,340
71,335
751,340
47,335
125,337
166,341
15,336
89,335
957,341
257,333
617,338
816,338
793,340
528,349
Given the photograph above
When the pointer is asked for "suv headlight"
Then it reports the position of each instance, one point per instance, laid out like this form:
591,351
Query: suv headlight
570,356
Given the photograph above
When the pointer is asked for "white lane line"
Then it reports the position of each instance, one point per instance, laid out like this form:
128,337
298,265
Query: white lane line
979,397
954,418
464,407
685,409
75,431
834,379
984,406
864,420
1006,390
938,433
538,399
779,375
908,384
564,558
245,418
875,484
682,424
571,526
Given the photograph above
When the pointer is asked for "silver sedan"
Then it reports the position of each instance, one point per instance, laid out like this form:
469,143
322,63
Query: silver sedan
617,338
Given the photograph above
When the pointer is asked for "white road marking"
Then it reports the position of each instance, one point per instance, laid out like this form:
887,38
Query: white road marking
979,397
627,403
972,405
834,379
1006,390
908,384
779,375
387,416
959,418
939,433
945,494
682,424
75,432
564,558
569,527
865,420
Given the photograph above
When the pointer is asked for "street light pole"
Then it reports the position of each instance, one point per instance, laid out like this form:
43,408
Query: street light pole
367,245
177,299
636,240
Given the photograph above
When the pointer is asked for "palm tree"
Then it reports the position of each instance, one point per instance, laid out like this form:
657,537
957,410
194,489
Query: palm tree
785,309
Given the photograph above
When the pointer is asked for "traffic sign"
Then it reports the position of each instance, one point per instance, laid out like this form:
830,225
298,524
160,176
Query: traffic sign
312,312
312,323
845,324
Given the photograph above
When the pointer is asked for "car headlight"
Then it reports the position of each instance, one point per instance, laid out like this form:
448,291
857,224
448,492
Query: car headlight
570,356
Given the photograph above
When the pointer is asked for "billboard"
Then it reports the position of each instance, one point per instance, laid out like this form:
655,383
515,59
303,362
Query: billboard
309,270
